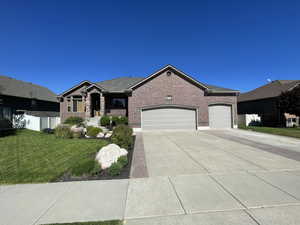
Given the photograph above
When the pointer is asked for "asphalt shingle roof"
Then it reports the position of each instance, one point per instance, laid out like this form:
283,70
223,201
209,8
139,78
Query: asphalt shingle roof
123,83
119,84
214,88
12,87
270,90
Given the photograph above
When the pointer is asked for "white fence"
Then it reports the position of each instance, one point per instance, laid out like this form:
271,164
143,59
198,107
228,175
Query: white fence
246,119
40,123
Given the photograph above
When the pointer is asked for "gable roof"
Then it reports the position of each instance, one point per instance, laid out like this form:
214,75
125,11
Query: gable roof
209,88
120,84
12,87
168,67
124,84
270,90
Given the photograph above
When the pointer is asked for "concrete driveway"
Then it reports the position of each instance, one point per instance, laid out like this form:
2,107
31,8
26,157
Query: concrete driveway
218,151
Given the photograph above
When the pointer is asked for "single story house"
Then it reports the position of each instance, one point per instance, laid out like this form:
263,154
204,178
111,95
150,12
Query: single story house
264,102
16,96
166,99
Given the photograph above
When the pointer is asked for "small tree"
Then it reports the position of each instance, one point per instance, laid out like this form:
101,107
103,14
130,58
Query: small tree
289,101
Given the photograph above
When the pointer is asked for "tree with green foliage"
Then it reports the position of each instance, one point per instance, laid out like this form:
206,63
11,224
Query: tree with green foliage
289,101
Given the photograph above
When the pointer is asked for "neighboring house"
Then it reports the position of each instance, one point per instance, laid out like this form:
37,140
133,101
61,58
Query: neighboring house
264,101
167,99
16,95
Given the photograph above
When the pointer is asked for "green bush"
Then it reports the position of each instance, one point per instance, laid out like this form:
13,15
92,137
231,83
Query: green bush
63,132
118,120
74,120
93,131
122,136
115,120
115,169
123,160
97,169
123,120
105,121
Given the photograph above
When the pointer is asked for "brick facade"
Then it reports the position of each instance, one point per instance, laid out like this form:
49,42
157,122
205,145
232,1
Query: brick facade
161,89
183,93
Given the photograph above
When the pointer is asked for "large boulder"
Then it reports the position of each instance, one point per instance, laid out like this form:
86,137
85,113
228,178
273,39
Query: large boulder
110,154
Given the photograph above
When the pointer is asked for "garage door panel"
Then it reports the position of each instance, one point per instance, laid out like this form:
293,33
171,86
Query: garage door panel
220,116
168,118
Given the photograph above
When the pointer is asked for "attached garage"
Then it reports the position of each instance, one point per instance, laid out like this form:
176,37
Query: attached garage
168,118
220,116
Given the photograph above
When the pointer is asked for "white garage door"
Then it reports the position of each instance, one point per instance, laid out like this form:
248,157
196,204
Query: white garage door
169,119
220,116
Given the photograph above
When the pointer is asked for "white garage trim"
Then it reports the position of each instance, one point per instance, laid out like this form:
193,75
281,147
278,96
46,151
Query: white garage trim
164,117
220,116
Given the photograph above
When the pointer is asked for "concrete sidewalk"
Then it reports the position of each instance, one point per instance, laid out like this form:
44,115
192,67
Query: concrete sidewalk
227,199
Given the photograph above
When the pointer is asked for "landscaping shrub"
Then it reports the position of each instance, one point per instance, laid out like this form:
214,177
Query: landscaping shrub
105,121
123,160
122,136
48,131
118,120
122,120
74,120
97,169
93,131
63,132
115,120
115,169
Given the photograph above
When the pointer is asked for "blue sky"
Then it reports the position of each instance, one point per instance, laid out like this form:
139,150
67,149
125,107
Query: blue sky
234,44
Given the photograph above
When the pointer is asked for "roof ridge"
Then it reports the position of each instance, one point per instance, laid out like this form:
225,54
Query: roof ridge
118,78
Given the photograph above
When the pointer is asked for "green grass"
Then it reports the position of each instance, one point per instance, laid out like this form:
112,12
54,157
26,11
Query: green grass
115,222
289,132
33,157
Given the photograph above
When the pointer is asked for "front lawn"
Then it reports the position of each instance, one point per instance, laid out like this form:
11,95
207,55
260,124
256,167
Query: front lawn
289,132
115,222
32,157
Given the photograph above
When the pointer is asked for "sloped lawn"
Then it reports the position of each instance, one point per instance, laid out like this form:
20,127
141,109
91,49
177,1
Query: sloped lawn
289,132
32,157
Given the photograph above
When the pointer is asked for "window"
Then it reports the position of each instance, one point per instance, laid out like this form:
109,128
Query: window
5,113
69,104
78,104
118,103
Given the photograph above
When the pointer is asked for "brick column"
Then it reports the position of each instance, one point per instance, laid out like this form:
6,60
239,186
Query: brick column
88,106
102,104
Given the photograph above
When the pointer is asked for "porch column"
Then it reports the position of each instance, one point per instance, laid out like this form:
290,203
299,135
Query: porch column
102,104
88,105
